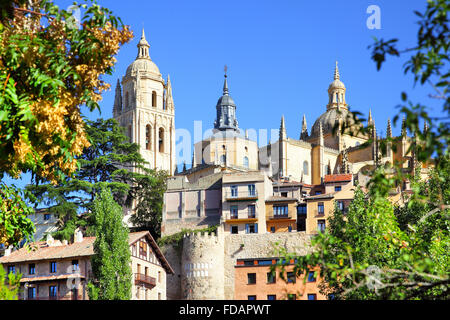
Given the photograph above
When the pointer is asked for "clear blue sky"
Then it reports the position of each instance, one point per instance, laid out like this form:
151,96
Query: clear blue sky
280,57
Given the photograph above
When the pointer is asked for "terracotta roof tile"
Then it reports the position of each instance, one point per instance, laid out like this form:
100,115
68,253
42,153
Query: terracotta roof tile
337,177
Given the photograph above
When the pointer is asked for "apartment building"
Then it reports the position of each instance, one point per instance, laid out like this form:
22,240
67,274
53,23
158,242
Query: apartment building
254,280
58,270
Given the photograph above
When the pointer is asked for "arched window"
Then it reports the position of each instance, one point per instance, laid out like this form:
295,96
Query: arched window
337,97
130,132
161,140
154,99
148,137
127,100
305,168
246,162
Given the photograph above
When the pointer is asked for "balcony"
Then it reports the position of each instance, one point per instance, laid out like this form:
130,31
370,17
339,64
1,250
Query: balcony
280,216
140,278
241,196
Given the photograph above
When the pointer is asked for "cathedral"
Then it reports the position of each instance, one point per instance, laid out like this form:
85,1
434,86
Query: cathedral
252,195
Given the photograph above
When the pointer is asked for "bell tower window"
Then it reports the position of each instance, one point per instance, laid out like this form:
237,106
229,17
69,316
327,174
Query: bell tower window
127,100
161,140
154,99
148,137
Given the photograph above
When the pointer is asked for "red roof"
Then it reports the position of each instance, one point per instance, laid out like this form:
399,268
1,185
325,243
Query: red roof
337,178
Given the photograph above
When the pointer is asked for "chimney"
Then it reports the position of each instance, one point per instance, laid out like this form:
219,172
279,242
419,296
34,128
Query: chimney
50,241
8,251
78,236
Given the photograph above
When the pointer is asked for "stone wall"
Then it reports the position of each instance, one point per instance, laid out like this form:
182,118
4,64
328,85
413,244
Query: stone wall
243,246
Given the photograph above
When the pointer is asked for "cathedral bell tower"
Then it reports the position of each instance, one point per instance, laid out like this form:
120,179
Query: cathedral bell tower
144,107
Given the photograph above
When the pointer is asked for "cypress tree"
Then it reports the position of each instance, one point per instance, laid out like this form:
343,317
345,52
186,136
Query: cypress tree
111,261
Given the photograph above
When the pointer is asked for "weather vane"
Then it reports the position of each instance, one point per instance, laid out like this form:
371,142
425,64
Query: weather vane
225,69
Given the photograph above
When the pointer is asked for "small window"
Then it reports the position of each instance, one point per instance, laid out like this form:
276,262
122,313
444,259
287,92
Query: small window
11,269
251,228
292,296
291,277
251,211
312,296
251,278
337,188
301,209
251,190
246,164
271,277
75,266
234,229
31,268
311,277
340,204
284,194
305,168
251,297
223,159
290,228
47,216
271,297
234,212
320,208
52,291
161,140
154,99
234,191
53,267
272,229
148,137
317,193
321,225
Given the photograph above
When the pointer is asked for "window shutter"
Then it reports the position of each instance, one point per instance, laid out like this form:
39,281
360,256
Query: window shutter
256,228
246,228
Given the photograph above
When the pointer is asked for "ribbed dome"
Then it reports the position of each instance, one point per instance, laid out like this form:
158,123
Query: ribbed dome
143,65
329,119
336,84
226,100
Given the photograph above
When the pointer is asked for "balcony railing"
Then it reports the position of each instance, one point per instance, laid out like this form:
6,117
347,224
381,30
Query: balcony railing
142,278
241,195
280,216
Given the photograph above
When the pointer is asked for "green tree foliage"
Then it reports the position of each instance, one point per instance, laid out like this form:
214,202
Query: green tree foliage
378,250
51,65
149,195
111,262
14,223
110,161
9,285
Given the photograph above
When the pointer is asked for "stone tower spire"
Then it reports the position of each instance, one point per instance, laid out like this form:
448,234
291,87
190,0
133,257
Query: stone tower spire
117,109
389,129
370,120
336,72
169,105
304,133
283,134
404,127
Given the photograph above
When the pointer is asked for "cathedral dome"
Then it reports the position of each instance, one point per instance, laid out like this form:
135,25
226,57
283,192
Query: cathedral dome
331,118
143,65
226,100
